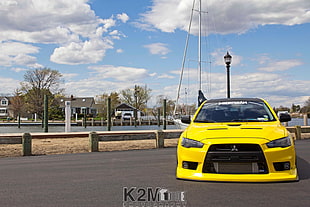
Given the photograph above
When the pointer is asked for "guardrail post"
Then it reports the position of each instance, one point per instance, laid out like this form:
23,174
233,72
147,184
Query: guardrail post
27,144
298,132
93,142
160,139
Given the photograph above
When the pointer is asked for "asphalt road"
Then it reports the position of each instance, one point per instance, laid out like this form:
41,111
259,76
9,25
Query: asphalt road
100,179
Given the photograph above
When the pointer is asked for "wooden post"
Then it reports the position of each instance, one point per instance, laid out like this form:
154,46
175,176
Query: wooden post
45,113
160,139
136,106
158,117
109,114
305,120
93,142
18,120
27,144
84,120
165,114
298,132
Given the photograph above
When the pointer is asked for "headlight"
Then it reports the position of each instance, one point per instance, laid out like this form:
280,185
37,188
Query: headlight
283,142
191,143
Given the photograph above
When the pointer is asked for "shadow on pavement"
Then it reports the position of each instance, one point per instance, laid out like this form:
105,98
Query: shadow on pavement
303,169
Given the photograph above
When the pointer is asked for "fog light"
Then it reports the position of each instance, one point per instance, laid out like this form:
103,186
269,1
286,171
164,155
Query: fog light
185,165
189,165
286,166
281,166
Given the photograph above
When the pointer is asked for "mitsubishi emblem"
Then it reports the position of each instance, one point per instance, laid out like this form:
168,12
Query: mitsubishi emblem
234,148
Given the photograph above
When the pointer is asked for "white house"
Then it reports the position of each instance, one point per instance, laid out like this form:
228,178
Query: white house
4,107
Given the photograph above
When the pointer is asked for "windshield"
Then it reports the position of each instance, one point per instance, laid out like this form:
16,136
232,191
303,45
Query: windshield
234,111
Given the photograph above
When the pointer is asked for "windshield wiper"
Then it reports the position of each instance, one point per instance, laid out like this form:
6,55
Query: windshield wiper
247,120
204,121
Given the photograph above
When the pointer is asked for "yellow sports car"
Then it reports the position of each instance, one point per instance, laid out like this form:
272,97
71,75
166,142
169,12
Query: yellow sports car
236,140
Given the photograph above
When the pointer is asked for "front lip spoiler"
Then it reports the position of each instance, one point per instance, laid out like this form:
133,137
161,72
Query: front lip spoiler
287,176
213,181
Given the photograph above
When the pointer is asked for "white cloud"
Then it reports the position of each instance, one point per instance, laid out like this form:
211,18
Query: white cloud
158,48
275,88
166,76
108,23
119,50
281,65
93,86
105,79
69,76
120,73
123,17
15,53
236,16
70,25
17,70
218,57
86,52
8,85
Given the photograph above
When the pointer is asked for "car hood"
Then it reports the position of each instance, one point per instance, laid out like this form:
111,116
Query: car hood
268,131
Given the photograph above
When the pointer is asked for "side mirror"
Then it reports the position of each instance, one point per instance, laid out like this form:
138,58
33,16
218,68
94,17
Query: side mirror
284,117
186,119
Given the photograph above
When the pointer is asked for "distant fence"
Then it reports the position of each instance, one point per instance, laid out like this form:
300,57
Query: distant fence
94,138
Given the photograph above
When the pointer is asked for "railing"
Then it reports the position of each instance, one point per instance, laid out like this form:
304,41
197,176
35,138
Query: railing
94,137
299,132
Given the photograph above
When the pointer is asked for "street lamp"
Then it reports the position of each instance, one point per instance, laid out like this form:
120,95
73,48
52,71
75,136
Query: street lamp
227,59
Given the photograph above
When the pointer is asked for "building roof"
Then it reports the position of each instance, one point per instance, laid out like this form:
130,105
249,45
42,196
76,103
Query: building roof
124,106
78,102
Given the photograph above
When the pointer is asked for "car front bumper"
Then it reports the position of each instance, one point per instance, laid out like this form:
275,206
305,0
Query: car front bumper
245,165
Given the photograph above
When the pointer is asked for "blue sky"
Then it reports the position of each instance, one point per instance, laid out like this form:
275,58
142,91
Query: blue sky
102,46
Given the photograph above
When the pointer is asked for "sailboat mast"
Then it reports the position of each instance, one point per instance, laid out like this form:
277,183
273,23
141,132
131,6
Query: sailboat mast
199,46
184,58
201,97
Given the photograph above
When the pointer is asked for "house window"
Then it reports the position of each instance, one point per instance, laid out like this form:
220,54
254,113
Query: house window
4,102
84,110
3,111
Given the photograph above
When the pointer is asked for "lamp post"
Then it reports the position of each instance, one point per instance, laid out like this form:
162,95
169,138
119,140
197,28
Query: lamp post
227,59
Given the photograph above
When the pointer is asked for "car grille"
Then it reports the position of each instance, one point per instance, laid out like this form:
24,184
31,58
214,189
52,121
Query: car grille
235,159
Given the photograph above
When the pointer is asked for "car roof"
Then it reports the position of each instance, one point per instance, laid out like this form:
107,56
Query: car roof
234,99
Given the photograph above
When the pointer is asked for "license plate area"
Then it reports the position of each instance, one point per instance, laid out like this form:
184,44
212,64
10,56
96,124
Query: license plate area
236,168
235,159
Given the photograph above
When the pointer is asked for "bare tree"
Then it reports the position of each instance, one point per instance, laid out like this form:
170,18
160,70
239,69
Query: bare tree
42,79
102,100
17,104
136,97
37,83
